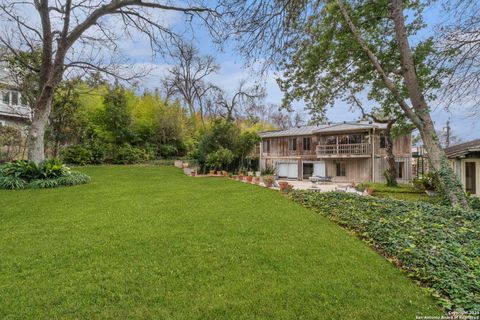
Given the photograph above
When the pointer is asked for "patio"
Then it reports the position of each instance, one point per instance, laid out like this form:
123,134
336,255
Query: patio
320,186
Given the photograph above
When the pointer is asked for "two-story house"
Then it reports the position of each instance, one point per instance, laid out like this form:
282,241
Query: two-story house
346,152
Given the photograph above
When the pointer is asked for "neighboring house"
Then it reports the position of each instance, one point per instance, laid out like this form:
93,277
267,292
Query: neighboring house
346,152
14,110
465,159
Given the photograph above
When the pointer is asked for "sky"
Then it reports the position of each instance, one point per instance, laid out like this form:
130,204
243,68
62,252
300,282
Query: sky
233,70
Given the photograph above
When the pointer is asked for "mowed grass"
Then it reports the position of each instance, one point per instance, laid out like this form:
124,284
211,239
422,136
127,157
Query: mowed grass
151,243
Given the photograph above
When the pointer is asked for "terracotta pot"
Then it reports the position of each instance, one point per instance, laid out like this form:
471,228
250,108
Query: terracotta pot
193,173
283,185
369,191
249,179
240,177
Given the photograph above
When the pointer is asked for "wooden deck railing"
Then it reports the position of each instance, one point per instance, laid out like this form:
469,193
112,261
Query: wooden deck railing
357,149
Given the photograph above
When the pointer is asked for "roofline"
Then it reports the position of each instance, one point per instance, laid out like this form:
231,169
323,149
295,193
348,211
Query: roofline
320,130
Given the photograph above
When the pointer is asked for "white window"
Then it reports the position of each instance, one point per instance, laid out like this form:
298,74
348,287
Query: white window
14,98
266,146
6,97
292,144
23,100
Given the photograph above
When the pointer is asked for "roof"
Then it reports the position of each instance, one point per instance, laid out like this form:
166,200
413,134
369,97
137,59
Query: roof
323,128
462,149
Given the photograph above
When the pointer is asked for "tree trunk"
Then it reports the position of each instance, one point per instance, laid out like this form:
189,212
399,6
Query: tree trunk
391,172
36,134
449,183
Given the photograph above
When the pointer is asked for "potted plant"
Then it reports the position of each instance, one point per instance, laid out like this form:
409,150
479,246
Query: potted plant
211,172
250,173
193,173
369,190
429,183
257,180
283,185
249,179
268,181
257,173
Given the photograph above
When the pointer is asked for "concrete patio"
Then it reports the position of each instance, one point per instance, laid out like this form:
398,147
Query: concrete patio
320,186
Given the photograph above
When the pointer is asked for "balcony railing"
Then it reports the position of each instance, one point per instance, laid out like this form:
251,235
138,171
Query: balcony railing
357,149
14,111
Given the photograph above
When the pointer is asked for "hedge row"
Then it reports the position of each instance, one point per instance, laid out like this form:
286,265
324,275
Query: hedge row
437,245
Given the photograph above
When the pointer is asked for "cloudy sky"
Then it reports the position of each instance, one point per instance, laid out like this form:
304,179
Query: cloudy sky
233,70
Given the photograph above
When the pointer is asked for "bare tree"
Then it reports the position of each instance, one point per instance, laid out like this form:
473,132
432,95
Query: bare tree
447,137
82,35
272,114
187,79
459,42
298,120
391,172
244,99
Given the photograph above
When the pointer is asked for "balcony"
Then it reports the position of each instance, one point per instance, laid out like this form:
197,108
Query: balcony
17,111
357,150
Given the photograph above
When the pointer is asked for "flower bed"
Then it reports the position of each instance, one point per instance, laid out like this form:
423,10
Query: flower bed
437,245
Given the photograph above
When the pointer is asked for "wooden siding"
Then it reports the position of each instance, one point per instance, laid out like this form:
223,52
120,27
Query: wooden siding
279,146
357,169
402,146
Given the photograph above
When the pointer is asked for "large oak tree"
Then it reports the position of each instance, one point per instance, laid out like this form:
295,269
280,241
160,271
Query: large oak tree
84,35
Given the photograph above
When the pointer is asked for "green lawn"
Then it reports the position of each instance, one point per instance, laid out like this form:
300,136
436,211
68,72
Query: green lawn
149,242
404,192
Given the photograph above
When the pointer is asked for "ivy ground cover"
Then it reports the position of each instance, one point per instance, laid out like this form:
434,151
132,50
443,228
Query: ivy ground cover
151,243
437,245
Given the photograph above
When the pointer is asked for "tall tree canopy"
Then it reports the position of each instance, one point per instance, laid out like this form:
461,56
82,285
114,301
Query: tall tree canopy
337,49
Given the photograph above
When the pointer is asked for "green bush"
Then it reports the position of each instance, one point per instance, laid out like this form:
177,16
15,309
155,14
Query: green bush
129,155
98,152
12,182
48,174
73,178
474,202
77,155
28,170
25,170
167,151
219,159
428,182
43,183
52,168
437,245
